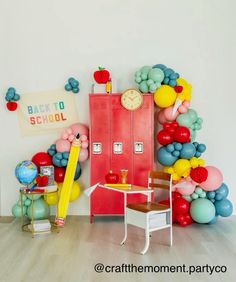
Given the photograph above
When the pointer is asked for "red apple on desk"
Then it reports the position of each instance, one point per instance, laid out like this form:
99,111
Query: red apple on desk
101,76
41,180
112,178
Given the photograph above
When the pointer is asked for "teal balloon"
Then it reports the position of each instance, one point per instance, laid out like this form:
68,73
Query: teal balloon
41,210
156,75
188,151
224,208
143,87
213,221
68,87
16,210
165,158
222,191
202,210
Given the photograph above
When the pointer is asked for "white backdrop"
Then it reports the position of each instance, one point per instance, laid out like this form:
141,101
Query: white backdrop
44,42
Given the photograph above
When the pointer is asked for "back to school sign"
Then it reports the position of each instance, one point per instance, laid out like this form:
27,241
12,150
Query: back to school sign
44,112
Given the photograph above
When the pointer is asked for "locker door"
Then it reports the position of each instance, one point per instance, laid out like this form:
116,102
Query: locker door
143,140
121,152
99,151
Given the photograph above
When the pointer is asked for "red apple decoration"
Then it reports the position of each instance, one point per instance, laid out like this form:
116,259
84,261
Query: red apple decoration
101,76
112,178
41,180
11,106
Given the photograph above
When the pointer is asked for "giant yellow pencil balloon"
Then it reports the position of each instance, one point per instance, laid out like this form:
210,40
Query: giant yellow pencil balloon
68,182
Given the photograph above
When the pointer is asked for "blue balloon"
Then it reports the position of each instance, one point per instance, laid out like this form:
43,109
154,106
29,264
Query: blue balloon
59,156
160,66
170,148
68,87
172,83
224,207
56,161
218,197
166,80
223,190
10,95
211,195
165,158
16,97
70,80
74,84
197,154
26,172
178,146
188,151
201,148
65,155
64,162
176,153
214,220
77,172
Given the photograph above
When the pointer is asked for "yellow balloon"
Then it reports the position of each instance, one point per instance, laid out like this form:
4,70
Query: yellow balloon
182,167
75,191
187,89
165,96
51,198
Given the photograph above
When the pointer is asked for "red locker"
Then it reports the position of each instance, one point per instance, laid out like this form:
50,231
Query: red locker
119,139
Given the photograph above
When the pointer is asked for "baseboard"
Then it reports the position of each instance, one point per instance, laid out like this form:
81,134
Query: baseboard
6,219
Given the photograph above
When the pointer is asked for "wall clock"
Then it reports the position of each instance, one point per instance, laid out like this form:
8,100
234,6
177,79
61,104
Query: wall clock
131,99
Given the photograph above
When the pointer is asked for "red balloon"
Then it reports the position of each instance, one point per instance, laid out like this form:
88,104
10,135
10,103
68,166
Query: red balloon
164,137
199,174
42,159
176,195
182,134
59,174
184,223
181,206
188,218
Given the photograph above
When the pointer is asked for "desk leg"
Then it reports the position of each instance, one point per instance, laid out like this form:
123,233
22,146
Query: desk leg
125,219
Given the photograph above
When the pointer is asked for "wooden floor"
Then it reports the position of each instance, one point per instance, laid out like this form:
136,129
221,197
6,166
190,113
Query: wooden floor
71,255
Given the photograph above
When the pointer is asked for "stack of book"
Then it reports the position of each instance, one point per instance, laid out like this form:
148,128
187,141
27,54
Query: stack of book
41,226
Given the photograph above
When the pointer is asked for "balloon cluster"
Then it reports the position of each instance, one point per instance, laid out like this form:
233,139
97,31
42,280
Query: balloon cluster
149,79
53,157
191,120
170,76
72,85
12,97
200,194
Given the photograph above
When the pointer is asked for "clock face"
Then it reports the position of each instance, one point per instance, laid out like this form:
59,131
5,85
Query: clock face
132,99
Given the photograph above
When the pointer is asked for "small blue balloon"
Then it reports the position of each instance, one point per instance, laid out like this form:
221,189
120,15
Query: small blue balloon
218,197
75,90
77,172
173,76
197,154
168,72
74,84
68,87
211,195
51,152
176,153
159,66
11,90
195,144
64,162
223,190
178,146
59,156
16,97
224,207
201,148
53,147
71,79
10,95
65,155
166,80
170,148
56,161
172,83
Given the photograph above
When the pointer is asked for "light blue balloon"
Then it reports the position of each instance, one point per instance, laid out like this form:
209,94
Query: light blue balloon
202,210
165,158
224,208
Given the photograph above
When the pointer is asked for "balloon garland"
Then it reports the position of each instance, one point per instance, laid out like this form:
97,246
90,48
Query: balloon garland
199,192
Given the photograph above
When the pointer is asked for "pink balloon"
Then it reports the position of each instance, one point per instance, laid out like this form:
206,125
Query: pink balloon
84,144
80,128
64,136
62,145
71,137
185,187
214,179
161,117
83,155
182,109
168,114
83,138
69,131
186,104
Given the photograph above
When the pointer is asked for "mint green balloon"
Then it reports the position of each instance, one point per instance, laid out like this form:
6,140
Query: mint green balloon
157,75
188,198
27,202
198,190
16,210
192,115
35,197
192,134
202,210
203,195
24,197
41,209
143,87
145,69
184,120
194,196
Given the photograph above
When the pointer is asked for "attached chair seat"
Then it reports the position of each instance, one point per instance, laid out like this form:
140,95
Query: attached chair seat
147,207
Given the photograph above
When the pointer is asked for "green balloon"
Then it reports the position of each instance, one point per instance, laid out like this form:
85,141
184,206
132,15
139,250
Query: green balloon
27,202
145,69
193,115
194,196
156,75
35,197
24,197
184,120
202,210
188,198
16,210
198,190
41,209
192,134
143,87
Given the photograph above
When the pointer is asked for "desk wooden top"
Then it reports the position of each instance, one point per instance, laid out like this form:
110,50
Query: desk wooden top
129,189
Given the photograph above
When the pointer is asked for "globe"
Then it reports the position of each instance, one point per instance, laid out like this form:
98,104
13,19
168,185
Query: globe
26,172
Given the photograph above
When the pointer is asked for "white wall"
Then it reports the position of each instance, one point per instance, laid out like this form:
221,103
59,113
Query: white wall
44,42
